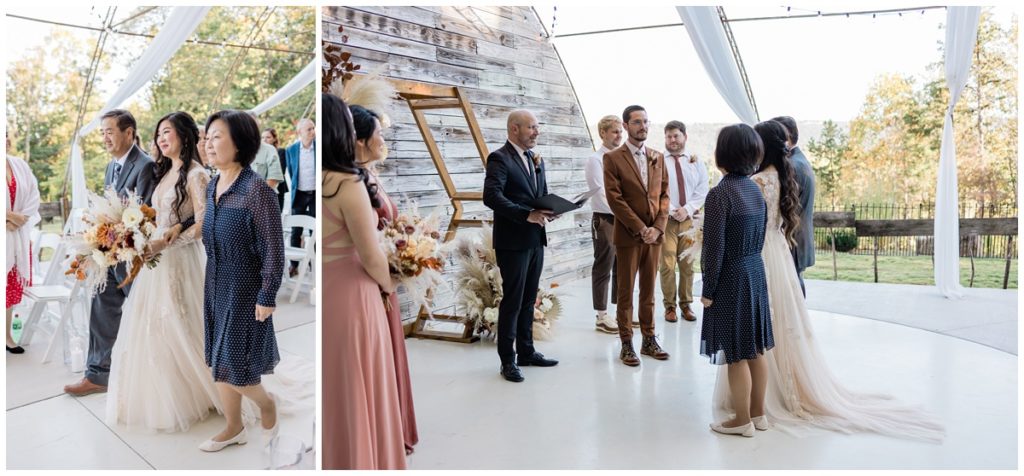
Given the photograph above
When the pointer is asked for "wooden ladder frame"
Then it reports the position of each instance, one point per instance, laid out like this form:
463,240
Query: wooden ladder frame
423,97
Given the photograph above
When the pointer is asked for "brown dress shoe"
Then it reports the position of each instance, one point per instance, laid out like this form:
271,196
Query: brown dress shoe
670,315
650,347
688,314
84,387
628,355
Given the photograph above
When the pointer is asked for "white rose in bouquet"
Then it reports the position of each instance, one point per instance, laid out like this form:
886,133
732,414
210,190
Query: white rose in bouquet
131,217
100,258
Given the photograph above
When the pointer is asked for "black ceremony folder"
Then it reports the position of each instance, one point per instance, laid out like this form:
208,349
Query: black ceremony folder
559,205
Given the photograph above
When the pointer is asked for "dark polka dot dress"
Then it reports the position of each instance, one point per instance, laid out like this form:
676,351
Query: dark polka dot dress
244,264
737,326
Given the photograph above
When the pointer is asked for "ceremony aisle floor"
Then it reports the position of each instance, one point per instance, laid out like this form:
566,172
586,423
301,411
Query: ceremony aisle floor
592,412
47,429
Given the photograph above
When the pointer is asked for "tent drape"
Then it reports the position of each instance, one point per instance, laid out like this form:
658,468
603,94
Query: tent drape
708,37
301,80
961,35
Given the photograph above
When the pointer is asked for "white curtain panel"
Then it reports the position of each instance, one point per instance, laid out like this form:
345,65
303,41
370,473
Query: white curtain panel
961,34
708,36
301,80
179,25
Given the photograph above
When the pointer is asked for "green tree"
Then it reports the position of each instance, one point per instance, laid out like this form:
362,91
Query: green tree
827,155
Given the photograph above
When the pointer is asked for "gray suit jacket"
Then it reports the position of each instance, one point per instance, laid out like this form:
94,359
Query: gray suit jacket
137,176
803,254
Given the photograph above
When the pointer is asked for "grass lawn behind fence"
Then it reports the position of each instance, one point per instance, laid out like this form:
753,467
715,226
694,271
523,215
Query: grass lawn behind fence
988,273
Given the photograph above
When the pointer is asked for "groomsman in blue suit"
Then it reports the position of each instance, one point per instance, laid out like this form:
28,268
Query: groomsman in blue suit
803,253
301,162
515,176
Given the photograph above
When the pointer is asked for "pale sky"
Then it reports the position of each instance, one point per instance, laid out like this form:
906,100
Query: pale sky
811,69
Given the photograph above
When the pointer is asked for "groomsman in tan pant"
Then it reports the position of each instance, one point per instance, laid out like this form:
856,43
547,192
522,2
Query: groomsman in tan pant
687,189
609,129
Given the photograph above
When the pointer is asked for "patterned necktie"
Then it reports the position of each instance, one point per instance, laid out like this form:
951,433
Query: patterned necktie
117,174
680,182
529,167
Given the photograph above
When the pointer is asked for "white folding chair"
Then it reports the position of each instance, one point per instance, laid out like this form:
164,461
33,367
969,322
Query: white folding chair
41,268
66,296
305,255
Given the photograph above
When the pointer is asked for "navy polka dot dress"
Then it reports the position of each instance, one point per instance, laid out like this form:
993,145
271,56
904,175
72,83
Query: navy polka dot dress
244,264
737,326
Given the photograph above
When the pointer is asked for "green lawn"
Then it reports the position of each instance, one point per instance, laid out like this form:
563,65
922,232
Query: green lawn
909,270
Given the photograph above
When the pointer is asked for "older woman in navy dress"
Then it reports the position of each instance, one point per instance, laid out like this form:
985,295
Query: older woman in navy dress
245,261
737,327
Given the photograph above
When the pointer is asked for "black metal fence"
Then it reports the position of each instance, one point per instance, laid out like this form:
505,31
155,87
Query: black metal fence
980,246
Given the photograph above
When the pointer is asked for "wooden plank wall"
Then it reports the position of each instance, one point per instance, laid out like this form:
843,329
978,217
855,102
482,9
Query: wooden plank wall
502,60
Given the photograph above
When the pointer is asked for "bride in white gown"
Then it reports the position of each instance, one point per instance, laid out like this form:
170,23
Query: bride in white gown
802,391
158,376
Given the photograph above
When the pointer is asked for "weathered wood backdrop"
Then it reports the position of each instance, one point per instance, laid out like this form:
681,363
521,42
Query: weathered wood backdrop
503,61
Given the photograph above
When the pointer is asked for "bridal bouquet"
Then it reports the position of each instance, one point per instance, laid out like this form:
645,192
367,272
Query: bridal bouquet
118,231
692,240
479,288
415,255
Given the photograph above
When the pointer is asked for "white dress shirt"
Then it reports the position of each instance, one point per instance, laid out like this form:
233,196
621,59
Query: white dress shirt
522,156
640,156
595,180
120,165
307,168
695,178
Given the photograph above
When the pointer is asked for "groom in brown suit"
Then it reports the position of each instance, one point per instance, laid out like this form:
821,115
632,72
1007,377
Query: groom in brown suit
636,186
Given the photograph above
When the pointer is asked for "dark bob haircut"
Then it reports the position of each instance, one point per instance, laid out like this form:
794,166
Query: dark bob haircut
739,149
245,133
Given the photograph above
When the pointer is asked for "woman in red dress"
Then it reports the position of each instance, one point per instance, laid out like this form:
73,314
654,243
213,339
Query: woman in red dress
22,215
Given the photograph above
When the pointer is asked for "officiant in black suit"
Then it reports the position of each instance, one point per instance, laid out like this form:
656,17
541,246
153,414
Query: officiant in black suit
515,176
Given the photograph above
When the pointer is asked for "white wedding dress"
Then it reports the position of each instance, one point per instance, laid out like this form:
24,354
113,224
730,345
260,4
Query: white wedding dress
159,380
802,391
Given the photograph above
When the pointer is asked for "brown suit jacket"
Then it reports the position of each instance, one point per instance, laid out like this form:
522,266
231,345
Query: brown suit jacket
634,205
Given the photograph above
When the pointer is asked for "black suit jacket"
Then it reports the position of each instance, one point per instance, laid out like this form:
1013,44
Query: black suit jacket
507,190
803,253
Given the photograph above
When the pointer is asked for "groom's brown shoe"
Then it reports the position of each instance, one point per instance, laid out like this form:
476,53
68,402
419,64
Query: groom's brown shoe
688,313
84,387
628,355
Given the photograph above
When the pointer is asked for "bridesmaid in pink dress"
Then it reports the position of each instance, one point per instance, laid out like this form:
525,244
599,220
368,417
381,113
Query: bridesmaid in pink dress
370,150
361,410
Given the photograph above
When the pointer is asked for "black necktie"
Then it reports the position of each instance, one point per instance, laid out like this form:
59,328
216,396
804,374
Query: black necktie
117,173
529,168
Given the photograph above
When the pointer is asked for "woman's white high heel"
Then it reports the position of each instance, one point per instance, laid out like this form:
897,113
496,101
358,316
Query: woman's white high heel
211,446
743,430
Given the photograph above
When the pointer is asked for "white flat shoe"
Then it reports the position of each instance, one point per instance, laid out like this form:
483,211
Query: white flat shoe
744,430
211,446
760,422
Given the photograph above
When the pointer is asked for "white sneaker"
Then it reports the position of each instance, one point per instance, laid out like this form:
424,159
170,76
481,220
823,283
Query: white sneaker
606,324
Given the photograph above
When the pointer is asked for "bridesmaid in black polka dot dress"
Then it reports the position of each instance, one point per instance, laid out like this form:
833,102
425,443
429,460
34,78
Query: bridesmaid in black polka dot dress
737,327
245,261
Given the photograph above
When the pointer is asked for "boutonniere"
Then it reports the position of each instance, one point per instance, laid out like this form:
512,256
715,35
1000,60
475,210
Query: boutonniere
652,158
693,159
537,159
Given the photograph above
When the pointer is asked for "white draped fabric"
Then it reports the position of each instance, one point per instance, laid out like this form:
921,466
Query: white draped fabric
708,37
179,25
306,76
961,34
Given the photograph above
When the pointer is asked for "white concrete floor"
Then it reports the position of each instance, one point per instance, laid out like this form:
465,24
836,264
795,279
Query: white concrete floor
47,429
592,412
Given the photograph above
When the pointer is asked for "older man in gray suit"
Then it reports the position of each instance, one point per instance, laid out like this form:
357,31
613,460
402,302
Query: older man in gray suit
803,253
130,171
